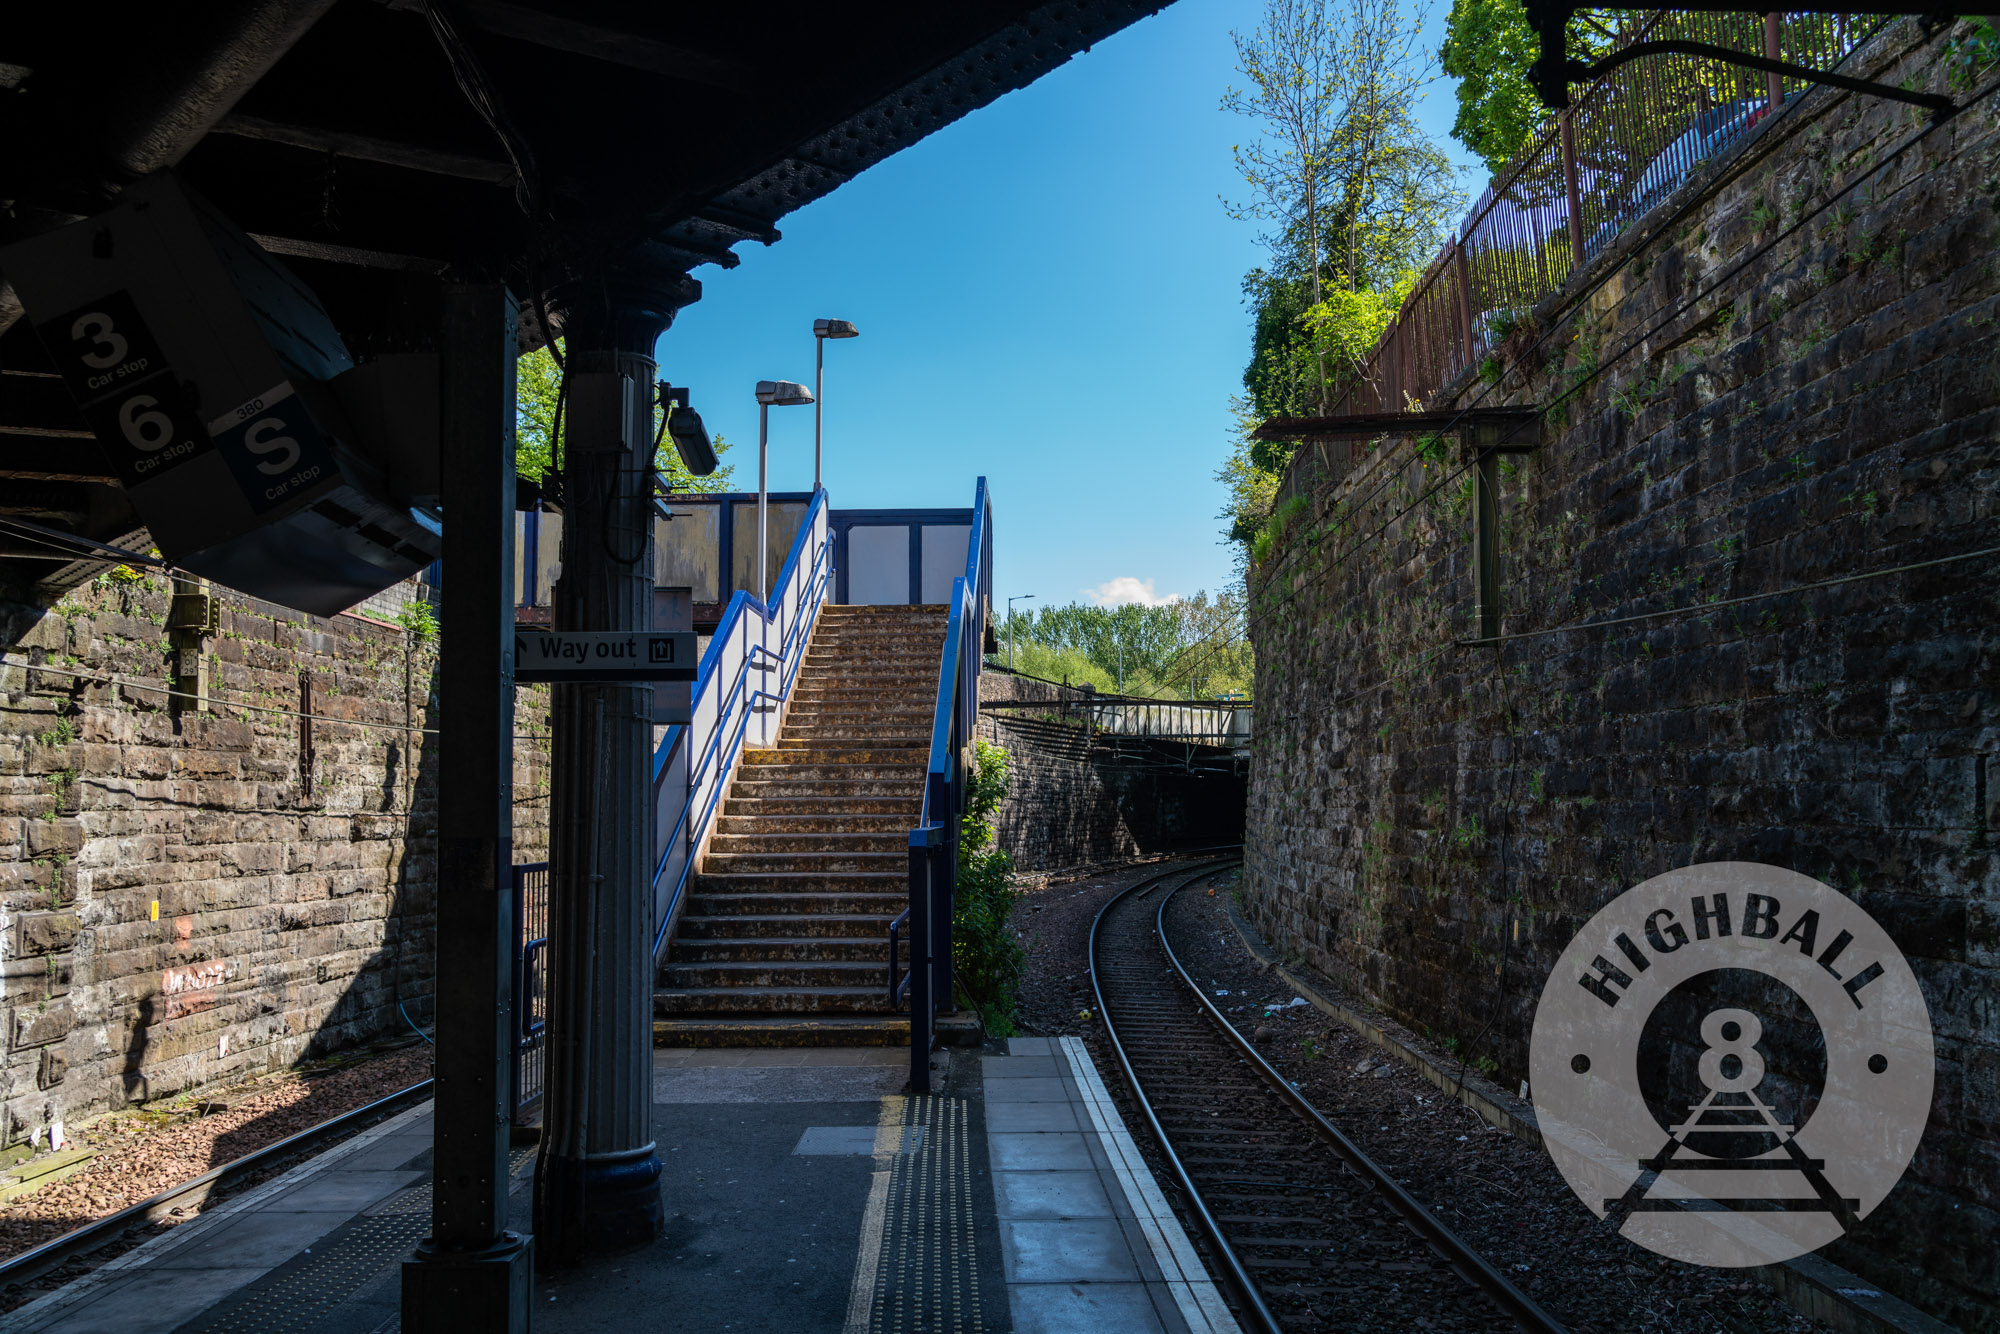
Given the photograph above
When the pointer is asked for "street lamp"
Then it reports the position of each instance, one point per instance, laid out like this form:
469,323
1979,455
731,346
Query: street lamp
823,330
785,394
1019,597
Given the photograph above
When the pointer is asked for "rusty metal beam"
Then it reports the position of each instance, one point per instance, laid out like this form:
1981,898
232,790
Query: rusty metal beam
218,54
367,148
358,256
39,405
38,459
593,41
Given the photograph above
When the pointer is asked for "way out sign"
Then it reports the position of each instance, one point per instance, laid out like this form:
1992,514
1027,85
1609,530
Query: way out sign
604,655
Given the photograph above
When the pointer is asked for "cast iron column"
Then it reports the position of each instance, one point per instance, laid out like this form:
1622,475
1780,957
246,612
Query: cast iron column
597,1182
471,1273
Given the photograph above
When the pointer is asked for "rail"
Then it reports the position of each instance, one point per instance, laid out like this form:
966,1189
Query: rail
1518,1306
112,1228
754,642
934,842
1627,142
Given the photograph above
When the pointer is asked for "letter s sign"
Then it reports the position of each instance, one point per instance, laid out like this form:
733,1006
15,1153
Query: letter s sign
261,438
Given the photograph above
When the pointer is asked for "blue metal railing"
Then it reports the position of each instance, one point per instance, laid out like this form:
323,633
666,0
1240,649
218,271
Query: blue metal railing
708,747
934,842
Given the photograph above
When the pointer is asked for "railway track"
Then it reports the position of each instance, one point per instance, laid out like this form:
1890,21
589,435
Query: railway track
91,1237
1311,1233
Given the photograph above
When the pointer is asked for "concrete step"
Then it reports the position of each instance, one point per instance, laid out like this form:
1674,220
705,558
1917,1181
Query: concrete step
849,668
805,751
763,838
785,926
846,713
815,804
885,901
872,949
905,786
916,699
794,1030
669,1002
785,973
841,611
809,734
814,865
893,639
794,825
836,776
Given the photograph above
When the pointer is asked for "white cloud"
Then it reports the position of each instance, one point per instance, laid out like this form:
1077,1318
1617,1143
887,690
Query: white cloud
1125,589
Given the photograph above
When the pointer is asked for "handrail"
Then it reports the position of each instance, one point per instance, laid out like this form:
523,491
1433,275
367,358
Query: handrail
933,842
711,752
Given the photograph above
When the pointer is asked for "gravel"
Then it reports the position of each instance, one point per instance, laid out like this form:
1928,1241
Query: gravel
1053,922
1501,1194
143,1152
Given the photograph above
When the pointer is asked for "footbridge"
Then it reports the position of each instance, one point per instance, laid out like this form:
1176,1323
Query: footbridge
805,812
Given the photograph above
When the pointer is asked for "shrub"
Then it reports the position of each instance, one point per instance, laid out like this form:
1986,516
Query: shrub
986,957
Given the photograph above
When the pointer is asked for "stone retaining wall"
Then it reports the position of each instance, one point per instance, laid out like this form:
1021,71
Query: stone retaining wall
1080,798
200,896
1429,824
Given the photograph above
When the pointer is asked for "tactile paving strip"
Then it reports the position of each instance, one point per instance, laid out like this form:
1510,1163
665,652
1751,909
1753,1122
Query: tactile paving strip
298,1298
929,1274
300,1294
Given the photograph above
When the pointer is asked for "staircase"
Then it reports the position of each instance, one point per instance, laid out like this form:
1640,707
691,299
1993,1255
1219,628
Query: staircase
785,936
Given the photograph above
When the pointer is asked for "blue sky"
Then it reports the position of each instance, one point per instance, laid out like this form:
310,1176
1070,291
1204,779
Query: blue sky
1048,293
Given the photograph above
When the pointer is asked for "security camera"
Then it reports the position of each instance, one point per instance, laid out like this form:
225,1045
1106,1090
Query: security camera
685,426
691,439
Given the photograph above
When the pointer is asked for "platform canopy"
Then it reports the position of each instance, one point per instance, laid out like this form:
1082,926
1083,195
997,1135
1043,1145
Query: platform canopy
380,145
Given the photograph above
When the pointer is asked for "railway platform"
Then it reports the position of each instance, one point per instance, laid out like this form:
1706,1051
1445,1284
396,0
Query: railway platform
805,1191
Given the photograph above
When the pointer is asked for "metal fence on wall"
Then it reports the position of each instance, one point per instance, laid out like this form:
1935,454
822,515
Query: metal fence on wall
531,993
1625,144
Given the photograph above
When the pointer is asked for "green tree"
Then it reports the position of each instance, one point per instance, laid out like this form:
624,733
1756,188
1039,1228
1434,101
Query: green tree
1189,647
1488,47
1358,191
537,385
1362,196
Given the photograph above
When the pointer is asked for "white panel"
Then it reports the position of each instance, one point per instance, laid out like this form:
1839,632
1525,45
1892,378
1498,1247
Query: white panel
687,550
944,559
878,565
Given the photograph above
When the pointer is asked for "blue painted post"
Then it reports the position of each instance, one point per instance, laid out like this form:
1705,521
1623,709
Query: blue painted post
920,960
943,882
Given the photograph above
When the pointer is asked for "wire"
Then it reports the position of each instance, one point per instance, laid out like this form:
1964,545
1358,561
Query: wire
1696,610
413,1024
171,693
1701,608
1639,341
73,544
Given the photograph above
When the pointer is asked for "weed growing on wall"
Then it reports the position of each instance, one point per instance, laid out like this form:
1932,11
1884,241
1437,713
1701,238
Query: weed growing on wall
986,956
420,621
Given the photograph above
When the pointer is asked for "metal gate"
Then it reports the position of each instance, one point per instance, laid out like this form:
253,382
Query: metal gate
531,998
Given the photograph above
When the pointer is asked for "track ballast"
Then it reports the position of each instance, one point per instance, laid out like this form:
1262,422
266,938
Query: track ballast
1311,1232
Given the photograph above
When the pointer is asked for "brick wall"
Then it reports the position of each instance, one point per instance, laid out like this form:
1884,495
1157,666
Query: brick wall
189,897
1429,824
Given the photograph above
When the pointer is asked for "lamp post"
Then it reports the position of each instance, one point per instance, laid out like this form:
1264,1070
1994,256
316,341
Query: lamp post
1019,597
823,330
785,394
